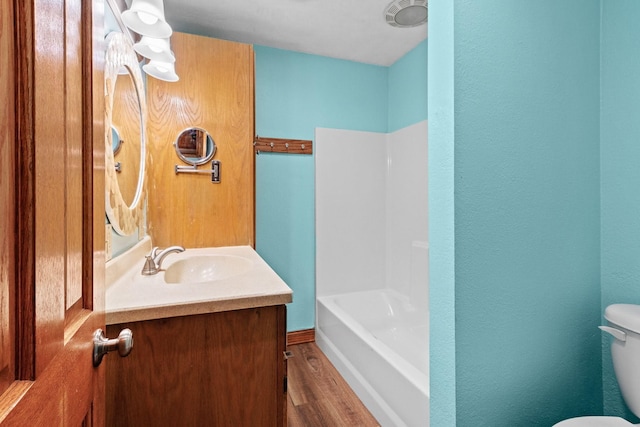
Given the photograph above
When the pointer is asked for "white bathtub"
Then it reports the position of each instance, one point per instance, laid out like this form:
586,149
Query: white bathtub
378,341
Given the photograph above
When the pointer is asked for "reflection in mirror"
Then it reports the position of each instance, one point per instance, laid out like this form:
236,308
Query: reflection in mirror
125,120
116,141
195,146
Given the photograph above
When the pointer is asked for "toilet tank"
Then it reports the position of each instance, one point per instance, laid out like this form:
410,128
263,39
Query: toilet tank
625,351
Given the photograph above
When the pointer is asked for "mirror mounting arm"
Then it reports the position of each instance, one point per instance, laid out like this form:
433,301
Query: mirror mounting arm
214,172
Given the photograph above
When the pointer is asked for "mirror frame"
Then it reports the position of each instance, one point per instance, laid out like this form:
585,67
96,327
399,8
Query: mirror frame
124,218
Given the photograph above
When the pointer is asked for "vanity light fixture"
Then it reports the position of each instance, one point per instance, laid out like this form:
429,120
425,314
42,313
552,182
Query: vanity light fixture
146,17
161,70
155,49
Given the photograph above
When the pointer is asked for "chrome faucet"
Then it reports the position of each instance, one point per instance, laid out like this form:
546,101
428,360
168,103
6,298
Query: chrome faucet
154,260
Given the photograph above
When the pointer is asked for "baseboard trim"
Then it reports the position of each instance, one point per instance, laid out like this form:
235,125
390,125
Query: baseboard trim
301,337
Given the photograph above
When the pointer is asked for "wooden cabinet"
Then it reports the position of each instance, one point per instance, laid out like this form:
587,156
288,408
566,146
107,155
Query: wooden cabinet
218,369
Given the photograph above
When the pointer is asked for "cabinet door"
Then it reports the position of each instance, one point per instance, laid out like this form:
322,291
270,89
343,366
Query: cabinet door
218,369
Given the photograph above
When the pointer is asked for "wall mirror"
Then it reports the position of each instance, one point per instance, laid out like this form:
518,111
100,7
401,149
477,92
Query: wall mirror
125,112
126,120
195,146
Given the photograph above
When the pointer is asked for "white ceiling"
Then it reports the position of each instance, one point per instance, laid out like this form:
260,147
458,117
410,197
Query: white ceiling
347,29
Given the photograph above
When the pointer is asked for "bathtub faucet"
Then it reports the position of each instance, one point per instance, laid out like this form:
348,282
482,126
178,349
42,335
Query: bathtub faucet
154,260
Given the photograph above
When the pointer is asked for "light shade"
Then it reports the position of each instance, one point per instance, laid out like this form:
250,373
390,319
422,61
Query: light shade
155,49
146,17
161,70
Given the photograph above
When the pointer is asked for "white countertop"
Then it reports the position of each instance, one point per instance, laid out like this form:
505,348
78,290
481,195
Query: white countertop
132,297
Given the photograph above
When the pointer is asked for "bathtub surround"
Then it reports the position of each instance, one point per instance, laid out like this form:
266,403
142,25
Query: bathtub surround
372,267
407,214
351,181
371,209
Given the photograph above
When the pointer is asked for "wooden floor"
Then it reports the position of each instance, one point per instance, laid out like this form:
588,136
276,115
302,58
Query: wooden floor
318,395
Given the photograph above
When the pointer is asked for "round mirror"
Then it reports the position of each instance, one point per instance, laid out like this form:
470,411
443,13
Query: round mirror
195,146
125,120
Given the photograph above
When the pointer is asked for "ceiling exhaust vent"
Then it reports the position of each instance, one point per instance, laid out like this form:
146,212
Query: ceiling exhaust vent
406,13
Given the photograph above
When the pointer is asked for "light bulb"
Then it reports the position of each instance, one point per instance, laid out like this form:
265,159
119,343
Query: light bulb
147,18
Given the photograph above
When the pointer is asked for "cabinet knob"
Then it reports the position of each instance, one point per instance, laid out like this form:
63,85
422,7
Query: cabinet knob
102,345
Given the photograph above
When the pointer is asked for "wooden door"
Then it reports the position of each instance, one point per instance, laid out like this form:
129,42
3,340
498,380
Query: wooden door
52,212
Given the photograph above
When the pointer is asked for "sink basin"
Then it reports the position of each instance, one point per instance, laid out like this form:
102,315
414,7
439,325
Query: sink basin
196,281
206,268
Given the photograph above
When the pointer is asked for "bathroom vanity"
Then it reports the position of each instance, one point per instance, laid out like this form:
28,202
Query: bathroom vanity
209,328
208,351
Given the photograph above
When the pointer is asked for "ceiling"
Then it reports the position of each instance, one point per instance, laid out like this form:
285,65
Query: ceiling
347,29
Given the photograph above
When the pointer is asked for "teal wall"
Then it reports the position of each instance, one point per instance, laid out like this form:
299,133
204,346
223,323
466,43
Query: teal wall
442,320
295,93
620,170
408,89
519,140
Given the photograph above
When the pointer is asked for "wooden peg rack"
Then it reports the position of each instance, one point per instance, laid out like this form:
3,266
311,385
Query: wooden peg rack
279,145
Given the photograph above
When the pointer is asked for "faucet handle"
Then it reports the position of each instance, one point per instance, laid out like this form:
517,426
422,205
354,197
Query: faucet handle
154,252
149,267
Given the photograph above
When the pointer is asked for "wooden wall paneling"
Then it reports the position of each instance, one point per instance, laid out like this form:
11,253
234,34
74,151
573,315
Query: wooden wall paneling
7,195
215,92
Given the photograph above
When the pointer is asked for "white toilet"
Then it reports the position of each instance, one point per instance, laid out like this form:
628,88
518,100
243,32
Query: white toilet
624,325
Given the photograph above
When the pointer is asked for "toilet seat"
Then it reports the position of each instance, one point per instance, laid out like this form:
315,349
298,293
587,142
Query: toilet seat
594,422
